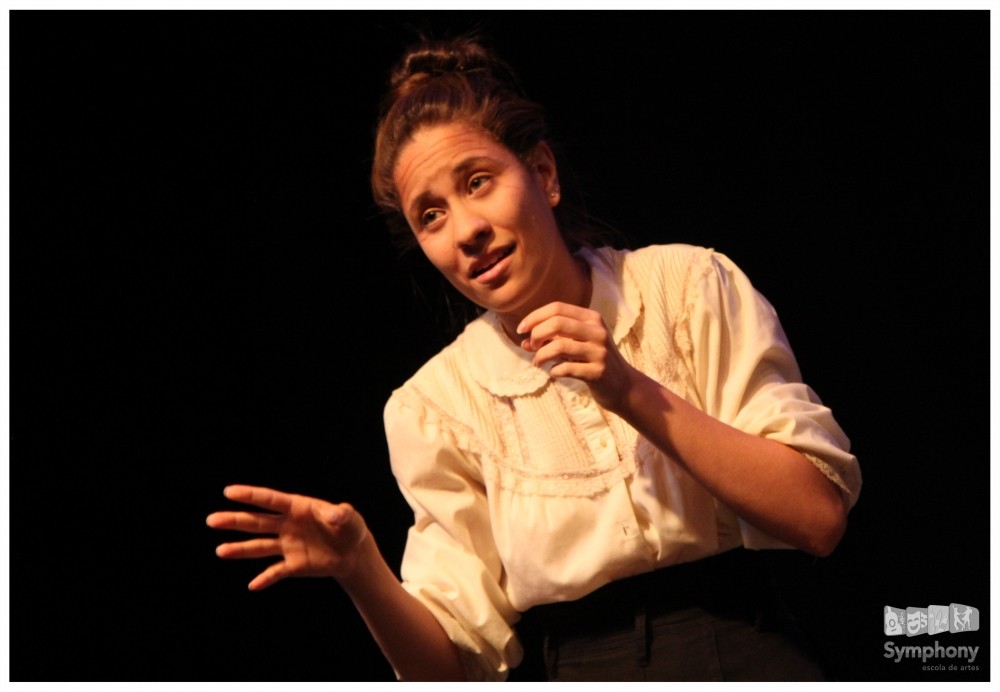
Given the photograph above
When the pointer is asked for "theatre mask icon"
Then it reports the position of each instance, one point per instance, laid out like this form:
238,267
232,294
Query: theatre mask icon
916,621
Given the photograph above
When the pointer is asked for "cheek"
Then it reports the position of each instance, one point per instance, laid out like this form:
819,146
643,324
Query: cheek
516,203
437,250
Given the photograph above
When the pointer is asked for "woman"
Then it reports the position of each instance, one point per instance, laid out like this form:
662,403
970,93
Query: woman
599,448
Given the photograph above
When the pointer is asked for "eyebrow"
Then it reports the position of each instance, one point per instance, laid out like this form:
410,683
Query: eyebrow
460,171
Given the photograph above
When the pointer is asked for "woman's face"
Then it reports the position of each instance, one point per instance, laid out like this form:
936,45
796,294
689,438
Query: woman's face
482,215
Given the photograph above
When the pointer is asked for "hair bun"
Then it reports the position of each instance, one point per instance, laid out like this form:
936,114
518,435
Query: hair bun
434,58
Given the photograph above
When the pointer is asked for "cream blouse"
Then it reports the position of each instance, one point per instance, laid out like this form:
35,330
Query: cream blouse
525,491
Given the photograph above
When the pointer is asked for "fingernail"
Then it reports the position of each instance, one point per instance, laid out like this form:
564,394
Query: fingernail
520,328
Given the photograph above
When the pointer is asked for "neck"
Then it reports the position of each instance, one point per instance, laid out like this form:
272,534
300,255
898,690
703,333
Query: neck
569,283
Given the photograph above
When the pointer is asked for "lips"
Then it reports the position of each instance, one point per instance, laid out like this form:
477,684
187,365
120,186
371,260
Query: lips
490,260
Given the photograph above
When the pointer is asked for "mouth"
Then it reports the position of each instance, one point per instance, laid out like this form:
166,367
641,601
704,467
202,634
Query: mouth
490,260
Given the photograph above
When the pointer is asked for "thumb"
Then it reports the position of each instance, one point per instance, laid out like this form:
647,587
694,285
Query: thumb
337,515
345,523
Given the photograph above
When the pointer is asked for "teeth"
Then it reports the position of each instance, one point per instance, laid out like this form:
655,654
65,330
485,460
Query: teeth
484,269
492,264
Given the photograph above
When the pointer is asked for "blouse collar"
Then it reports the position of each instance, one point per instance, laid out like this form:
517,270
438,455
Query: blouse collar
505,369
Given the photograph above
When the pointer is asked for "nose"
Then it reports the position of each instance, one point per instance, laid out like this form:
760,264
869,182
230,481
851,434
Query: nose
472,231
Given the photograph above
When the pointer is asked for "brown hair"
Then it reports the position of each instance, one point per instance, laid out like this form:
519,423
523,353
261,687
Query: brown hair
444,81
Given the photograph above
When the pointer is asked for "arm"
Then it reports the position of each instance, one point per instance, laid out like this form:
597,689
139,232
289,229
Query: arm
770,485
316,538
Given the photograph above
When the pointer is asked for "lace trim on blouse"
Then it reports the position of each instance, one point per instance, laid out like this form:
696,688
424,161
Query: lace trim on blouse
829,472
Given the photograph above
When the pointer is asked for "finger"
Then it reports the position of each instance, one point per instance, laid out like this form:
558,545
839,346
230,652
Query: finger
343,522
271,575
257,547
347,523
335,515
550,310
261,497
559,350
586,372
565,328
576,366
250,522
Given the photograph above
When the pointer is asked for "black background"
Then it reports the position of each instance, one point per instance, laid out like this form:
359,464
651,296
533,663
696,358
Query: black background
203,294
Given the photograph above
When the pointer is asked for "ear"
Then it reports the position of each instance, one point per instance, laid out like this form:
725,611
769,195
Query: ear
543,164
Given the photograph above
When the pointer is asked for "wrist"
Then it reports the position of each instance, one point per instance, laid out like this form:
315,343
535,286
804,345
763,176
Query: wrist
365,568
638,392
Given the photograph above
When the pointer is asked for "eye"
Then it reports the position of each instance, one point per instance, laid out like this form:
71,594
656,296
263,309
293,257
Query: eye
477,182
429,217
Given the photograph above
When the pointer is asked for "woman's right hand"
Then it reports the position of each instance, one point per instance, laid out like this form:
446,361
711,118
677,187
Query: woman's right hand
312,537
315,538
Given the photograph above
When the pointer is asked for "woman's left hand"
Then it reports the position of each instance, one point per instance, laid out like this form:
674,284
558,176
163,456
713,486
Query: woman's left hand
579,345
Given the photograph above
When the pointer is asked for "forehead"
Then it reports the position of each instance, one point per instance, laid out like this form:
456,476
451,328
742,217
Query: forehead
438,150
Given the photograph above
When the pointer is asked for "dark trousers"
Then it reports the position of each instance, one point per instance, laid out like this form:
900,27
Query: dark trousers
718,619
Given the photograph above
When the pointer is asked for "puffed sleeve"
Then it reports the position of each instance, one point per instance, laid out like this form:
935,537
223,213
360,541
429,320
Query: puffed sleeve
748,377
450,562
